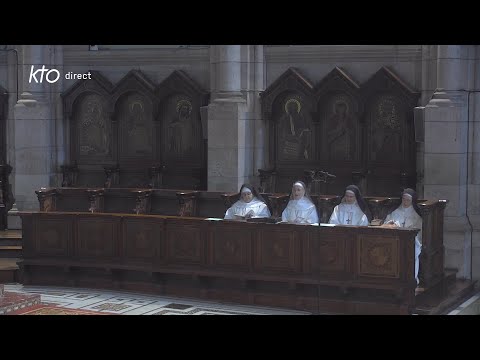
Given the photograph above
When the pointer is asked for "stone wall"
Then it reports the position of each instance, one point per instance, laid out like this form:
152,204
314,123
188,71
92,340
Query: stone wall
448,161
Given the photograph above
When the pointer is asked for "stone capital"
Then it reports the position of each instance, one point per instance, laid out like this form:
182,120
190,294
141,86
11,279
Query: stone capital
447,98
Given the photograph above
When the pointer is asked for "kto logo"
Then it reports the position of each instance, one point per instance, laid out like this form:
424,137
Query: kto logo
51,75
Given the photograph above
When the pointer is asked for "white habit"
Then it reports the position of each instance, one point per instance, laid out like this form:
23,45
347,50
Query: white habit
241,208
301,211
408,217
348,214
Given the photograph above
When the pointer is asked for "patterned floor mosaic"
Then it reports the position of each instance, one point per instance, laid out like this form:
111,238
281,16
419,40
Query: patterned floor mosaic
54,310
75,301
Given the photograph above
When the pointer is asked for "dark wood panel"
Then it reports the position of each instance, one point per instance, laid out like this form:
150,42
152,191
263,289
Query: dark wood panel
53,237
185,243
143,240
361,133
214,204
378,256
97,238
133,126
277,250
231,247
327,252
343,269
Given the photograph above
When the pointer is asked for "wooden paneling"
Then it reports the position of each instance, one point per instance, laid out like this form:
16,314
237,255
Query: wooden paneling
231,247
361,133
142,240
327,252
53,237
378,256
277,250
294,266
97,238
185,243
134,126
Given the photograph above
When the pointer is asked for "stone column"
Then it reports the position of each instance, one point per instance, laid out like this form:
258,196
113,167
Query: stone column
227,63
260,143
445,157
12,84
473,197
226,120
32,145
60,131
429,78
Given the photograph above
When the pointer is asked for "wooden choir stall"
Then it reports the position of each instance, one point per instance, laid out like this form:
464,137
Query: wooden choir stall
119,220
314,268
161,240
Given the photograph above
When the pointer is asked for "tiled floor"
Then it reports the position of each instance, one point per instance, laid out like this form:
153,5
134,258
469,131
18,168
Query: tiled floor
469,307
127,303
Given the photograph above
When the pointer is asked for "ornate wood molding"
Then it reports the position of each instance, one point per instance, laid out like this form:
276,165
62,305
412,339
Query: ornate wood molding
142,201
188,203
96,198
47,199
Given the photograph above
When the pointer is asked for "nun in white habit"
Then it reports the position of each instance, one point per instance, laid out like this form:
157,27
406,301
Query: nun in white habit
408,215
250,205
352,210
300,208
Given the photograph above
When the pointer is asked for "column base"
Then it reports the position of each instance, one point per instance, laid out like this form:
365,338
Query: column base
447,98
13,219
230,96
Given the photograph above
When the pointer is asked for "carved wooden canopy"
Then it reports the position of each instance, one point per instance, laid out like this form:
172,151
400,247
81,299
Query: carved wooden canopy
362,133
135,126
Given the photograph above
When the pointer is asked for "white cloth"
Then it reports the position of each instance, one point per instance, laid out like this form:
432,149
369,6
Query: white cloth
418,250
348,214
301,211
408,217
242,208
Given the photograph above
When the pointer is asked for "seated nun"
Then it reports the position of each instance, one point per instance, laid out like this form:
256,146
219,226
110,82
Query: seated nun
300,208
352,210
408,215
250,205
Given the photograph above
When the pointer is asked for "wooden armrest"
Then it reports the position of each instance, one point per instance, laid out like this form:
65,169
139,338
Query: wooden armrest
47,199
427,203
279,196
229,198
230,194
95,192
188,202
328,197
186,194
146,192
46,191
377,200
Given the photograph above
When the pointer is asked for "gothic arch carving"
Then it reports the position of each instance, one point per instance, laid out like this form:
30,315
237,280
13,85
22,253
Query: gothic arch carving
287,106
118,131
89,125
134,109
338,112
390,136
184,147
354,134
